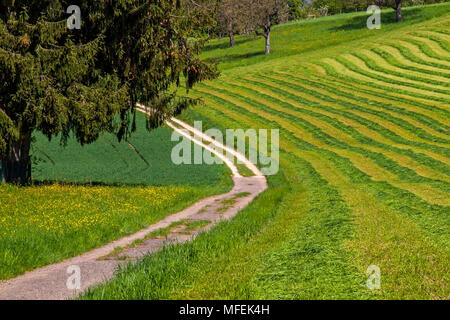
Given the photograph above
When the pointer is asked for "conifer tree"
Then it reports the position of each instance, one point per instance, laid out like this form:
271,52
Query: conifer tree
84,82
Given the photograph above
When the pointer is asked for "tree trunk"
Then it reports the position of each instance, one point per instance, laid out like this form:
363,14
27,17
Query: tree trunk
399,11
231,34
267,36
267,30
17,168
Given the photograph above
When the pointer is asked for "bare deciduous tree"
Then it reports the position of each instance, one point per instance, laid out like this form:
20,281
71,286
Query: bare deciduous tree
263,14
394,4
229,17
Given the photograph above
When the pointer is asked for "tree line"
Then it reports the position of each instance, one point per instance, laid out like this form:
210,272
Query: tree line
231,17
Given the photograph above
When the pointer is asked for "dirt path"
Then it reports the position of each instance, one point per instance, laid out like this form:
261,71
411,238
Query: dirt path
97,266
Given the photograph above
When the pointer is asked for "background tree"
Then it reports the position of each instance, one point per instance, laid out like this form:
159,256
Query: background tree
230,16
263,14
85,82
295,6
200,16
394,4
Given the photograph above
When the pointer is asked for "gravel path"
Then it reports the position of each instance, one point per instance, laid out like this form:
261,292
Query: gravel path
98,266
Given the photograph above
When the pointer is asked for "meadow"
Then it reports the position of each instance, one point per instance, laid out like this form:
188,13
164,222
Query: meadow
84,197
145,159
364,119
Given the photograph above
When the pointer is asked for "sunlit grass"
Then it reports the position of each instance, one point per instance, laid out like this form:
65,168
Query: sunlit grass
45,224
85,197
365,168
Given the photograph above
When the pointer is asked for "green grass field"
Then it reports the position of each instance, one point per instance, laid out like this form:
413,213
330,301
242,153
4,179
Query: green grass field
364,119
145,160
85,197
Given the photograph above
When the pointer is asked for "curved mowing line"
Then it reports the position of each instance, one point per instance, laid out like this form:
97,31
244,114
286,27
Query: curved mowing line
283,114
363,129
335,80
357,66
296,136
431,116
416,50
357,112
428,194
381,66
294,95
411,205
345,68
427,50
359,105
440,32
425,127
439,184
335,128
441,40
354,174
328,141
368,132
393,60
369,124
440,46
409,56
405,55
354,77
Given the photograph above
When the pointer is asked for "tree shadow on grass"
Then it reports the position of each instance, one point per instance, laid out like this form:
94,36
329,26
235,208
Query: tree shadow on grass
226,44
235,57
43,183
388,18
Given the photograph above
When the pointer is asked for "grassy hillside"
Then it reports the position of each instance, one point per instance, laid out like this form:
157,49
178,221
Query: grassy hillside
364,119
307,36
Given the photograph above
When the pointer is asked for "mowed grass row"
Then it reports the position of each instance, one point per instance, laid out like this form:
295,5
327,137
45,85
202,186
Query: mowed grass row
407,131
85,197
297,248
391,105
364,180
316,112
312,137
330,140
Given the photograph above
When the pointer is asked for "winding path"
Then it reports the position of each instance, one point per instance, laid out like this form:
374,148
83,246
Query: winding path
98,266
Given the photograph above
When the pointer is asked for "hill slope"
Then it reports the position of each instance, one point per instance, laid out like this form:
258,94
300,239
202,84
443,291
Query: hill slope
364,119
